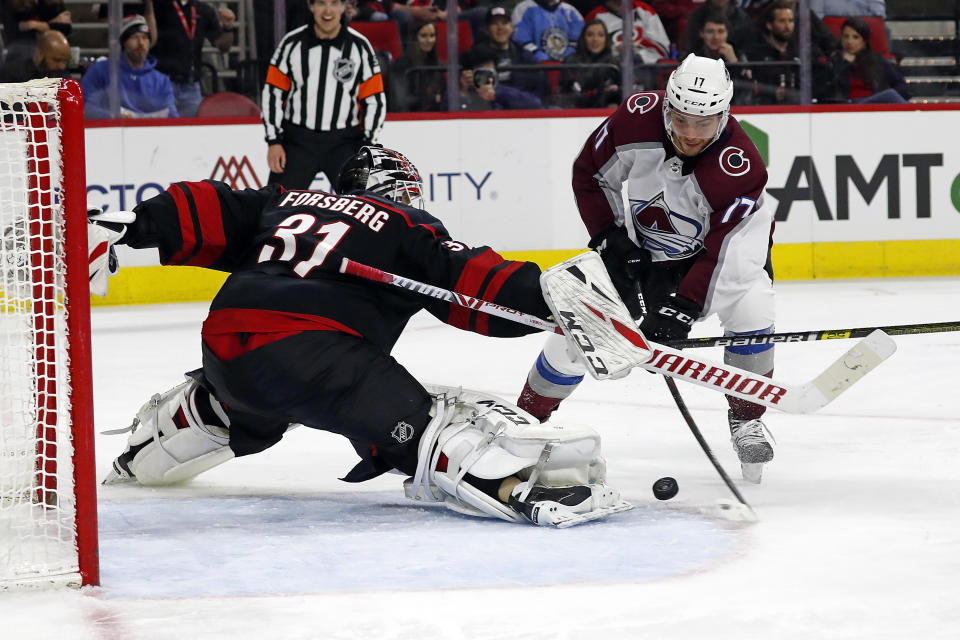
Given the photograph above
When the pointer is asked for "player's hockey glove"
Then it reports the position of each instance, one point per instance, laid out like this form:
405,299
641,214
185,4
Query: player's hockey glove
104,230
625,262
670,320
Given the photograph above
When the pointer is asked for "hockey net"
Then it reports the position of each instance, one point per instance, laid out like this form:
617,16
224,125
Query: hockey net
48,530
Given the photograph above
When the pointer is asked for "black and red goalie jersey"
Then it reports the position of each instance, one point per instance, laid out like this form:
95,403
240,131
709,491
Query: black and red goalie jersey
273,243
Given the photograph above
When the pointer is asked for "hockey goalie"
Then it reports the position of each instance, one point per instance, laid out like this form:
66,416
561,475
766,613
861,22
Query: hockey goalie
290,340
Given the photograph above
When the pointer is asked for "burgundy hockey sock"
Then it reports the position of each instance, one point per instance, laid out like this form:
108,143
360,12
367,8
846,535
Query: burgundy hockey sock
744,409
540,407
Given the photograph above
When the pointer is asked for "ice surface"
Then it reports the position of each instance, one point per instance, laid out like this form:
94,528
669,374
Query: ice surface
859,531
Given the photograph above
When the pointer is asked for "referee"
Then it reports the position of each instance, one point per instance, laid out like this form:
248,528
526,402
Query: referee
323,98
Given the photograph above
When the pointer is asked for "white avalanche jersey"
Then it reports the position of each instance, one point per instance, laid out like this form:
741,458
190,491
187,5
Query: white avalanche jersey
709,209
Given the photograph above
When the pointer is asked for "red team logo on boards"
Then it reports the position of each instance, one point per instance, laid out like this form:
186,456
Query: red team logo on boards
238,174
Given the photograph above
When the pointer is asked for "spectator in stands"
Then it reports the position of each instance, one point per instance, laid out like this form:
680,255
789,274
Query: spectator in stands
599,87
820,34
714,36
673,14
776,84
144,91
548,29
412,90
478,84
24,20
849,7
716,46
498,33
863,75
650,41
182,27
406,16
740,26
49,60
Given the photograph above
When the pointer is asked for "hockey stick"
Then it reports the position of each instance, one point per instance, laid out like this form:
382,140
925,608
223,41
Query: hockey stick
745,513
354,268
811,336
810,396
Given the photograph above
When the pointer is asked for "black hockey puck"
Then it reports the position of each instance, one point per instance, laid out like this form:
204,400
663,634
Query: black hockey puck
665,488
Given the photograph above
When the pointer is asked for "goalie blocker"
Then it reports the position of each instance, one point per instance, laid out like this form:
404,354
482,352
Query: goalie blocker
479,455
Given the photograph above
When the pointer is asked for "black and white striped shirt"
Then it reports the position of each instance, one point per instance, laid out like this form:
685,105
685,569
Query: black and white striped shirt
324,85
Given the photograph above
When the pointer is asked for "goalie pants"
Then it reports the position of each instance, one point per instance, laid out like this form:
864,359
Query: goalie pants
321,379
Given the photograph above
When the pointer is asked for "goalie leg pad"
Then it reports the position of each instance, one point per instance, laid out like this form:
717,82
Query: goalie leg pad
483,436
170,442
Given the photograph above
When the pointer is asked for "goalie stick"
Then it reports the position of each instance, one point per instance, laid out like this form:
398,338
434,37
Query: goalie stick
819,334
578,291
807,397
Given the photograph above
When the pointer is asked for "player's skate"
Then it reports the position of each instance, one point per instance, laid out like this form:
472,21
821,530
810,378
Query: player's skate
750,442
482,456
170,442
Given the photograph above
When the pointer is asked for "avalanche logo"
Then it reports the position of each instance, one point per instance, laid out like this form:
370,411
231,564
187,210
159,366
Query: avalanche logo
642,102
733,162
664,230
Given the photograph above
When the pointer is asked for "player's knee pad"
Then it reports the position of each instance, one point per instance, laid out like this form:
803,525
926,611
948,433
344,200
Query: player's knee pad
171,442
490,439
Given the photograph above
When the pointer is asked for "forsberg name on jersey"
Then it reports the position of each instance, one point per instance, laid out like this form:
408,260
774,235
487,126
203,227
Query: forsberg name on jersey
353,207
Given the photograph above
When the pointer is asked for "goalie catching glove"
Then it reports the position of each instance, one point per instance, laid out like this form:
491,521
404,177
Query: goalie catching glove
104,230
482,456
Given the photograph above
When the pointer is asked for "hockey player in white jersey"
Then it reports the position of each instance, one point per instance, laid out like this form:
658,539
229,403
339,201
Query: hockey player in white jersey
693,238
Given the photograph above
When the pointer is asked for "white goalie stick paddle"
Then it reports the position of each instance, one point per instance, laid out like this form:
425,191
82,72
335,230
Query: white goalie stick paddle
807,397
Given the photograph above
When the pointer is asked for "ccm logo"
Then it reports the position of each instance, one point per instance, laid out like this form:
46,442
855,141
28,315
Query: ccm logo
670,312
586,345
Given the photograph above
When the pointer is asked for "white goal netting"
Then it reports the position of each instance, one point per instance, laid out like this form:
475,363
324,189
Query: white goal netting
38,529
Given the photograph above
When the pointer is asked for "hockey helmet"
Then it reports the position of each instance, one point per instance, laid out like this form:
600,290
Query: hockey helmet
699,87
383,171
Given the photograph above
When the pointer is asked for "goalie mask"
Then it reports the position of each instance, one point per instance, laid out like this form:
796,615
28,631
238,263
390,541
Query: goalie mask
697,103
383,171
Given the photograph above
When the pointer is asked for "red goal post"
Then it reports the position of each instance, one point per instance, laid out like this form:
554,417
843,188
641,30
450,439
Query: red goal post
48,517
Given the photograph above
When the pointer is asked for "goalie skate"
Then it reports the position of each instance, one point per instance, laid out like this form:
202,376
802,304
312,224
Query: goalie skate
563,507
